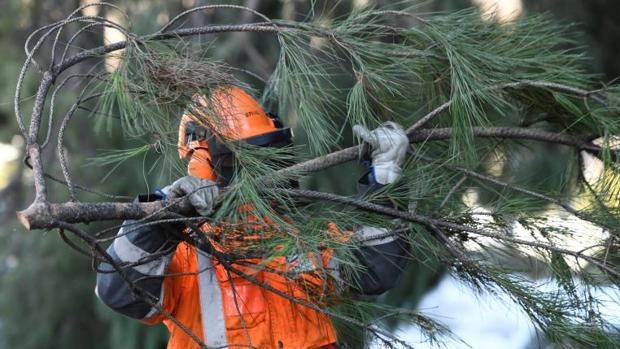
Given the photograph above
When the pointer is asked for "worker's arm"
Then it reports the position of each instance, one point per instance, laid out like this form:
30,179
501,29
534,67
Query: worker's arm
382,253
145,251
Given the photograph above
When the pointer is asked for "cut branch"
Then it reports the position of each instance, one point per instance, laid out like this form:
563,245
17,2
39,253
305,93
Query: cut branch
41,214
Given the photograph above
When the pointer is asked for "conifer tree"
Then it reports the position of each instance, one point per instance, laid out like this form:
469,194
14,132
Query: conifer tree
485,105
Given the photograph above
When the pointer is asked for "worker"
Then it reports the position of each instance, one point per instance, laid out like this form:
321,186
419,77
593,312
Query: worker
251,304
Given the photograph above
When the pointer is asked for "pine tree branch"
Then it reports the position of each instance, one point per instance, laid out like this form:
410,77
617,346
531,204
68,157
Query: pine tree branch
218,6
497,182
519,133
41,213
211,29
352,153
513,187
454,227
33,148
594,94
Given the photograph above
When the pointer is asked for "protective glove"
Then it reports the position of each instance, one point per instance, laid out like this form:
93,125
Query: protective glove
389,144
201,193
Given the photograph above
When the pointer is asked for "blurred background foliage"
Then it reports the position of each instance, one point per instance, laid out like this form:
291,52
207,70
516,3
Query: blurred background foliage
46,289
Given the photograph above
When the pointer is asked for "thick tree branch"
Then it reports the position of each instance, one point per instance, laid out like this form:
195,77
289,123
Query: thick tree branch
34,150
40,214
419,136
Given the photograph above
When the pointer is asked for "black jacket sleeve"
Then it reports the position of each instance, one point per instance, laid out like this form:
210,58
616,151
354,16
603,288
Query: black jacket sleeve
144,251
382,265
383,254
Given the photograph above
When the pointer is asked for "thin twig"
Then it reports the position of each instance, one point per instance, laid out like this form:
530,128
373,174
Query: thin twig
53,98
60,148
456,186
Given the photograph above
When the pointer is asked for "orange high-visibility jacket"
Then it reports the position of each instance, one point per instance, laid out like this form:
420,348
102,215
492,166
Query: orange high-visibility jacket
225,309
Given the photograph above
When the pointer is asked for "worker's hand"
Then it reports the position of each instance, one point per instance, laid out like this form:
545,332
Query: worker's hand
201,193
389,144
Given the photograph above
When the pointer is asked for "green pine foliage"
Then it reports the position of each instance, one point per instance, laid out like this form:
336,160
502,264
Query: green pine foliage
364,69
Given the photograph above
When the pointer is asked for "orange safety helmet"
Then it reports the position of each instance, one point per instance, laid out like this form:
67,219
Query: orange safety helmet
230,113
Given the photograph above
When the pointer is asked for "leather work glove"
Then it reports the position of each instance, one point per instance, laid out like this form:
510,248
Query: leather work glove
389,144
202,193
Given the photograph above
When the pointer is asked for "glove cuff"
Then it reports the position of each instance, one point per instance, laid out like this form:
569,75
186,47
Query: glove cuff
386,173
371,236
